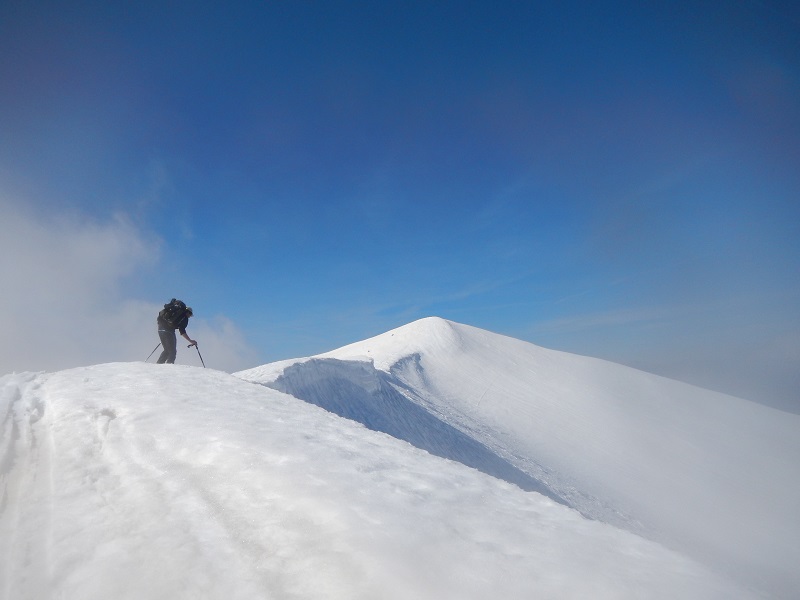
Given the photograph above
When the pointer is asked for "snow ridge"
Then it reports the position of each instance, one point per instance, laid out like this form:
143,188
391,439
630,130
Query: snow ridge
382,402
135,481
161,481
708,474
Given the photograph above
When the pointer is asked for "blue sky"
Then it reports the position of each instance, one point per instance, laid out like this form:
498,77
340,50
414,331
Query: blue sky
611,179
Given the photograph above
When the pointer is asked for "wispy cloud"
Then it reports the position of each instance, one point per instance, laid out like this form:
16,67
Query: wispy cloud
66,300
613,318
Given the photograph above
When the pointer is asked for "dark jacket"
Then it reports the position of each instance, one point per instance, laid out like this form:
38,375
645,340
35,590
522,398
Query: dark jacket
181,326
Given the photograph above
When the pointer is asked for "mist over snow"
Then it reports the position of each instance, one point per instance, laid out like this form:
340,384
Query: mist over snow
66,302
469,466
710,475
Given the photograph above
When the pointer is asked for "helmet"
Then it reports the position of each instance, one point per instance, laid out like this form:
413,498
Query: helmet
189,311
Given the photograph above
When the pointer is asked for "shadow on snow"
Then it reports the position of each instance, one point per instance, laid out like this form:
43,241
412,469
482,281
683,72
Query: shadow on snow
380,401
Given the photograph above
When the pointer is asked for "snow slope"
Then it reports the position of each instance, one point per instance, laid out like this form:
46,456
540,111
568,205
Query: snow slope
141,481
712,476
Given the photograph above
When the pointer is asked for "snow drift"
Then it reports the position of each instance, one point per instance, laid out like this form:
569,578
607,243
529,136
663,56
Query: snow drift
710,475
357,391
133,481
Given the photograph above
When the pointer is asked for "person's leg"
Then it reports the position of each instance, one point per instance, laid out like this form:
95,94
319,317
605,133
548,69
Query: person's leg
170,345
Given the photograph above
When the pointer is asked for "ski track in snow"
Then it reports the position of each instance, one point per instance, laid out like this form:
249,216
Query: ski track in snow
168,482
26,488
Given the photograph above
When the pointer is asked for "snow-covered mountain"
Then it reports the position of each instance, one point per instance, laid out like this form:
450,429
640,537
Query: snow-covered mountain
710,475
509,471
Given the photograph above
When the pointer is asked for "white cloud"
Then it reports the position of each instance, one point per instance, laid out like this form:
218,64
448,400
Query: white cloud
65,303
222,344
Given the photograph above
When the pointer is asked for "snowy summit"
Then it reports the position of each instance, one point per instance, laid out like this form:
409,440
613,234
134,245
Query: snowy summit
434,461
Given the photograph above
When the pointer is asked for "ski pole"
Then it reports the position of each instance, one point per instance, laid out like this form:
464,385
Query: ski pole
198,353
153,352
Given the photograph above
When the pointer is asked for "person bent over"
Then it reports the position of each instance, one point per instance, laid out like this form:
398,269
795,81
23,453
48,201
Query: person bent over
175,315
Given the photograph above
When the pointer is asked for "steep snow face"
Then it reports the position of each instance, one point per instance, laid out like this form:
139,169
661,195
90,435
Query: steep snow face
133,481
711,475
357,391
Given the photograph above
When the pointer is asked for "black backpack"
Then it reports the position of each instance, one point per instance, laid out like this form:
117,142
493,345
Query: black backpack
173,312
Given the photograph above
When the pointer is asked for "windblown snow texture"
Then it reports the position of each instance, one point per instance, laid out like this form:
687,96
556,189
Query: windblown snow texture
711,475
357,391
133,481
